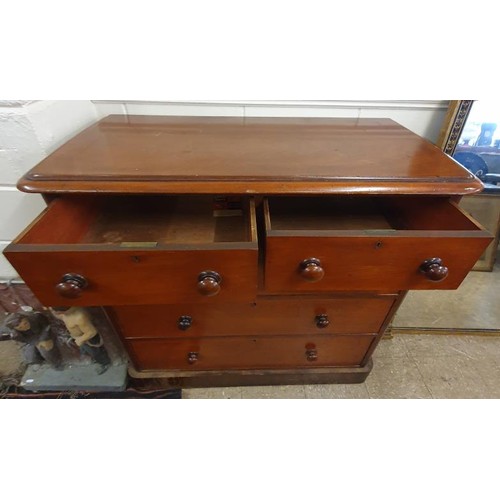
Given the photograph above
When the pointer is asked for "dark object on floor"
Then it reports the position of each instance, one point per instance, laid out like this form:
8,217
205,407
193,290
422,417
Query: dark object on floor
15,296
33,330
134,390
75,377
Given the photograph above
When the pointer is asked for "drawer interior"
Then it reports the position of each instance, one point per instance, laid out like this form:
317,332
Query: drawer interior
364,214
144,220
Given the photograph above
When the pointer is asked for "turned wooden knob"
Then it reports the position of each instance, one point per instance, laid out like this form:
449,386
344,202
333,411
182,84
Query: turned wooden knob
311,270
312,354
192,357
71,286
433,269
184,322
322,320
209,283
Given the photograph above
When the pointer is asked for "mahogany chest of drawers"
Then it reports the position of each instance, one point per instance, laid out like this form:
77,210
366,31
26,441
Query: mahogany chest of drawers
247,251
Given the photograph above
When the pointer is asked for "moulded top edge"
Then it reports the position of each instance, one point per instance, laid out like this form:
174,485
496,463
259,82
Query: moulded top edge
455,187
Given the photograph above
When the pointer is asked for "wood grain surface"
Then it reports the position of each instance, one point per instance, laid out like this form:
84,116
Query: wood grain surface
266,316
138,154
249,352
354,258
71,237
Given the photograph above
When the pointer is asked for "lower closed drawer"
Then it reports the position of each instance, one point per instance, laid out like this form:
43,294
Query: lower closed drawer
267,316
249,352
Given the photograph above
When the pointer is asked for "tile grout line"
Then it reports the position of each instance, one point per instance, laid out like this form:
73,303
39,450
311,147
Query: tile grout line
367,389
423,379
465,356
412,358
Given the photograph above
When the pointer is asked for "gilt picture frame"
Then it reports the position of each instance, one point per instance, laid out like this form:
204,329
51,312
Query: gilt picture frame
454,123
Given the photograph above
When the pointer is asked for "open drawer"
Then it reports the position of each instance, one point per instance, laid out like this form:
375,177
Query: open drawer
140,249
368,243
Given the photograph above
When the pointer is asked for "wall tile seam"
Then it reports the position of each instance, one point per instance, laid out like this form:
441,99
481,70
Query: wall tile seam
14,103
351,113
39,107
169,110
11,281
16,110
383,105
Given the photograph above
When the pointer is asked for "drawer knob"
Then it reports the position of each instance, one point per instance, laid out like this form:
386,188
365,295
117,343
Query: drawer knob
209,283
192,357
71,286
433,269
184,322
312,354
311,270
322,320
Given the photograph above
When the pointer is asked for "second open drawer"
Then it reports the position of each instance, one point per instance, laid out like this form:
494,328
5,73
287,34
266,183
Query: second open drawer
368,243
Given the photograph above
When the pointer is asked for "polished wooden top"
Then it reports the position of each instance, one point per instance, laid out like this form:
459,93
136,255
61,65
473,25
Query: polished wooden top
149,154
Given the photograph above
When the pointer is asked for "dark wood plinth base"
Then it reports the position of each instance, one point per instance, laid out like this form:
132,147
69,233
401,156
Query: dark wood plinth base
258,377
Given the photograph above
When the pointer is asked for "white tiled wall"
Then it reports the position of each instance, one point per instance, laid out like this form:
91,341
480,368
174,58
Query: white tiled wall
422,117
6,270
18,210
30,130
55,122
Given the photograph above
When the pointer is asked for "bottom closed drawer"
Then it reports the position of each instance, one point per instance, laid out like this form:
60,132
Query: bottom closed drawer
249,352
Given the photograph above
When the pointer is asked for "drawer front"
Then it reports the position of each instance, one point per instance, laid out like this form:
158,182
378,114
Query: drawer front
345,315
318,260
89,252
249,352
368,263
148,277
